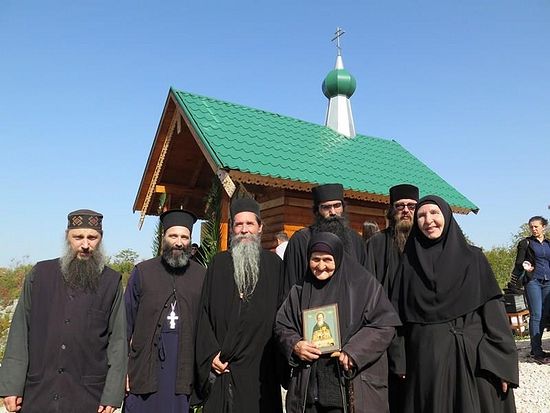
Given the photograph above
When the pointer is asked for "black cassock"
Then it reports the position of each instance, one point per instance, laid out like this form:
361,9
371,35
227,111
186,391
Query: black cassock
464,358
366,320
242,331
458,341
383,258
296,260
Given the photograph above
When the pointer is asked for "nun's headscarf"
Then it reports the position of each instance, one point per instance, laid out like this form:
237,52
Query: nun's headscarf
444,278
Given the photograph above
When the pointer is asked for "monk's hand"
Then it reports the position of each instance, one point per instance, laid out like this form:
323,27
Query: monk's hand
306,351
106,409
13,403
504,386
218,366
345,361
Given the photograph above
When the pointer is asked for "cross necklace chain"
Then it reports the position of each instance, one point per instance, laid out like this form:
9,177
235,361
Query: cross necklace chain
172,317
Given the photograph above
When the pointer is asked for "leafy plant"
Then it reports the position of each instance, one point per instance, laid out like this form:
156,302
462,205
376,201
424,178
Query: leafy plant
157,240
211,230
502,261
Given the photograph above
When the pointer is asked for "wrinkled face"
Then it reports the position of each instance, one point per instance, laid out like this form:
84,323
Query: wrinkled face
404,209
431,221
322,265
245,223
177,237
537,229
83,241
331,208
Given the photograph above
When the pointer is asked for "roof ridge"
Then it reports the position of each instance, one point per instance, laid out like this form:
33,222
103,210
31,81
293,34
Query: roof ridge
271,113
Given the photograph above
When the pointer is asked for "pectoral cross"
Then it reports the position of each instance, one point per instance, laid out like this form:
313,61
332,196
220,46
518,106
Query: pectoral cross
172,317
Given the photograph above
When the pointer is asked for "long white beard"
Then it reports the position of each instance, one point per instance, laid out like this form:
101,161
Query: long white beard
245,250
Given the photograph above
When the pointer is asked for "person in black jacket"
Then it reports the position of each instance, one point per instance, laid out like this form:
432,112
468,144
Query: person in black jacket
533,264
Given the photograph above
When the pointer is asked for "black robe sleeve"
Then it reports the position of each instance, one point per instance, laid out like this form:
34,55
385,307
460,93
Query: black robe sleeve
206,346
359,248
131,302
377,329
497,351
288,323
295,260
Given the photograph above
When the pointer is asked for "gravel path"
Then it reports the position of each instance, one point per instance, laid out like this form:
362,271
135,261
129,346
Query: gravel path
533,394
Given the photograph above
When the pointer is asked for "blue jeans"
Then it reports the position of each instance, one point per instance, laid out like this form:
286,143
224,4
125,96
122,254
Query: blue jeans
538,297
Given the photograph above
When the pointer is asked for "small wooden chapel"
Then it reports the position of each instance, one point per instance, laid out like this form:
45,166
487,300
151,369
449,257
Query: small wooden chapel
269,155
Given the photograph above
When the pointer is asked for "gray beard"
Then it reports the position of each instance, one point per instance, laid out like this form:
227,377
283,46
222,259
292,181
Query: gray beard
246,263
175,257
82,274
401,231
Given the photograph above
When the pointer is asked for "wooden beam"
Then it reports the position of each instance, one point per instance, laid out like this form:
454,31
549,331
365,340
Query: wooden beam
226,181
158,169
272,203
197,173
224,223
179,191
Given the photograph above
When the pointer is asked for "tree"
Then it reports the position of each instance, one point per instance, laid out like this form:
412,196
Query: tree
523,232
124,262
501,260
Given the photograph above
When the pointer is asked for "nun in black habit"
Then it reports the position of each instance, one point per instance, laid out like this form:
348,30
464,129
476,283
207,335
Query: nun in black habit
461,356
367,321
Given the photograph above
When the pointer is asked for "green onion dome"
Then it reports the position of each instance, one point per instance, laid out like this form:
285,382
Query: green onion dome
339,82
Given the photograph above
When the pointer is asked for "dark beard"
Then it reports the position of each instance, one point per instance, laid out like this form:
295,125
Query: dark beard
246,262
401,231
175,258
339,226
82,274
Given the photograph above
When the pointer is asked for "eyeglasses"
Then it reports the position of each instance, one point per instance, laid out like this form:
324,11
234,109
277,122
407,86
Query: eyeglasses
400,207
328,207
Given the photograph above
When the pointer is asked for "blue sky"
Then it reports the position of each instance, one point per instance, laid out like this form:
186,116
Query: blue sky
464,86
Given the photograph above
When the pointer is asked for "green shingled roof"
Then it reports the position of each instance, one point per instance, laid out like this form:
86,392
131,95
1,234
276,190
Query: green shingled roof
288,148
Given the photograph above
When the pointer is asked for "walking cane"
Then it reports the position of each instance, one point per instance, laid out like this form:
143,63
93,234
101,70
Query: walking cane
346,387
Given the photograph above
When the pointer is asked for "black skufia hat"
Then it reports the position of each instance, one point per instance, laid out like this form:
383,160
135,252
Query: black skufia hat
85,218
177,218
403,191
327,192
244,205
